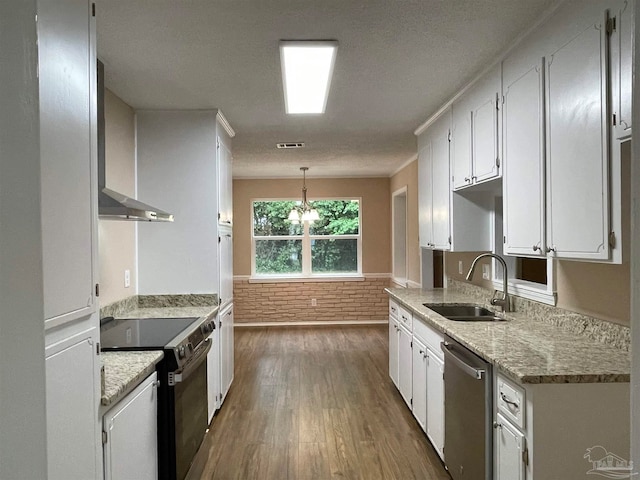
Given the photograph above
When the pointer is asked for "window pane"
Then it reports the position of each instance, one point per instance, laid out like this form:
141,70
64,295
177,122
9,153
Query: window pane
278,256
270,218
337,217
334,255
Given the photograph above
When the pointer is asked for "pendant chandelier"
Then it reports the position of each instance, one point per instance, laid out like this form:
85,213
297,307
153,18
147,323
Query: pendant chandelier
306,213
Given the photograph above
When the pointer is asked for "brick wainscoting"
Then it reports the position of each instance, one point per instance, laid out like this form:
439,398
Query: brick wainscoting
291,302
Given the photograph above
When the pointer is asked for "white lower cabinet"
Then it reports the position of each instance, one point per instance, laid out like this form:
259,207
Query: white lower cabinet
510,447
131,434
404,364
213,375
420,392
72,407
394,333
435,401
225,329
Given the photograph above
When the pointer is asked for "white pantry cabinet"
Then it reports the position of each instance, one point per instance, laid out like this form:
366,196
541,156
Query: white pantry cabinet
225,261
131,434
68,151
419,380
225,328
476,123
73,384
225,177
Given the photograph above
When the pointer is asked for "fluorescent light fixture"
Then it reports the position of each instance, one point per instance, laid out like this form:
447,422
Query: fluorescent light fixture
307,67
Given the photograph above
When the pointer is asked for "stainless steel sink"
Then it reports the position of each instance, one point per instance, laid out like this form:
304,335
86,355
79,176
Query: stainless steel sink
464,313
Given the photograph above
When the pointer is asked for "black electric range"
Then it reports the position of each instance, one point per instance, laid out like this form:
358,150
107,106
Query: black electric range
182,373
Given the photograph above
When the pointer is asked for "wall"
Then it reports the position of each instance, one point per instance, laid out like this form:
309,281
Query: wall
408,177
23,450
276,302
117,239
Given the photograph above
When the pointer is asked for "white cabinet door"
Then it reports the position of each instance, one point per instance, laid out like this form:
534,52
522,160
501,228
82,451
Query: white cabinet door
435,401
394,336
225,244
485,123
461,144
131,448
419,378
577,146
225,324
441,183
213,374
524,160
509,444
225,182
72,407
425,195
404,364
67,76
621,42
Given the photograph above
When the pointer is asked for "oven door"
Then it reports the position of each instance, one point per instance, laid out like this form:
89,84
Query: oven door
190,410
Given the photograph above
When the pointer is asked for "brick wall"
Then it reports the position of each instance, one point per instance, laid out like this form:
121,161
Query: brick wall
291,302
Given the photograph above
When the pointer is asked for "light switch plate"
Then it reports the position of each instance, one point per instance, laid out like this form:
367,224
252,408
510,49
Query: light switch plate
127,278
460,268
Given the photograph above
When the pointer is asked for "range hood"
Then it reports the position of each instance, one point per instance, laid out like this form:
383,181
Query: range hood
113,205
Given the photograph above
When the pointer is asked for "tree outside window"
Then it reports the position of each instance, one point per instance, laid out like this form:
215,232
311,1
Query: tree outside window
329,246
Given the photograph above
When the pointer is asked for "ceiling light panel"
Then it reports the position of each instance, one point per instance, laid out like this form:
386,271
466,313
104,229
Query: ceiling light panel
307,67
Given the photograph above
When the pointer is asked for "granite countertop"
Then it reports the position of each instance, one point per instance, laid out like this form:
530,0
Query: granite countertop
167,312
523,348
125,370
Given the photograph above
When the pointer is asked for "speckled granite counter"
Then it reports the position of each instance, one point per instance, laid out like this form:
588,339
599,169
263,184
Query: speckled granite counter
524,348
124,370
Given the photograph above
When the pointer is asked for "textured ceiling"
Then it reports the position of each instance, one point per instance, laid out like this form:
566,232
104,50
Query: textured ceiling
397,63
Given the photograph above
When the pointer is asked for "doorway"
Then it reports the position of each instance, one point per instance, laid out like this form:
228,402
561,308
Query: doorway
399,236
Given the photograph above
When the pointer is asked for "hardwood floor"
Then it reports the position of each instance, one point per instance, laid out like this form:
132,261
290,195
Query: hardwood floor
314,403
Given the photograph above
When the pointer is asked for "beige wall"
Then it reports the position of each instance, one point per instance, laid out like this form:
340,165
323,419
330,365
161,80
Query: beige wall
408,177
117,238
375,211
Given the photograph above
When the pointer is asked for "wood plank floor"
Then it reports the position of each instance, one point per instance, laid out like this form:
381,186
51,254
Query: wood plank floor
314,403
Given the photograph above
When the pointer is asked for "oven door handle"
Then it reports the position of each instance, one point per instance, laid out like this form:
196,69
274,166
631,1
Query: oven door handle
187,370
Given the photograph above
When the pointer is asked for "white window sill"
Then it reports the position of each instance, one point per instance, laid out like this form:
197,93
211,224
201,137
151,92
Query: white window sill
316,278
529,290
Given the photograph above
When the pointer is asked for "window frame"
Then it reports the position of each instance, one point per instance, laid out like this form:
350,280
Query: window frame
307,239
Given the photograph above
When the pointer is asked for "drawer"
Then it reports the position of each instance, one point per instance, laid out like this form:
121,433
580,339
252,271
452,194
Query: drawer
406,317
510,399
393,309
430,336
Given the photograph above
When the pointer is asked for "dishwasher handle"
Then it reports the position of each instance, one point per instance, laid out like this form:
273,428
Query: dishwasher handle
448,349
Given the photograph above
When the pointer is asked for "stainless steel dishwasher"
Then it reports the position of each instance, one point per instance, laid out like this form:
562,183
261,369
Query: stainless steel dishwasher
468,398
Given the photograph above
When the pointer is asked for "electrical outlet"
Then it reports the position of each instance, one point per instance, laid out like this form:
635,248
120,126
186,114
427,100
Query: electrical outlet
460,267
314,302
127,278
486,272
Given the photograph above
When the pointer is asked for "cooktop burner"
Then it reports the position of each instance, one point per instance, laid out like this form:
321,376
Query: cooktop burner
142,333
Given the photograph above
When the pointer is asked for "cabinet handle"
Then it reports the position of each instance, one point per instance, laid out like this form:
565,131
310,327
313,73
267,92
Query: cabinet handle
536,248
156,384
497,425
467,179
551,249
506,399
474,178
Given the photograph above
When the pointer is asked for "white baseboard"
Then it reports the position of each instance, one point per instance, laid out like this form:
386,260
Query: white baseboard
313,323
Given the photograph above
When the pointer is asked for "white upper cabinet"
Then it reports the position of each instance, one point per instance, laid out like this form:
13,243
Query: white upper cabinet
434,187
225,179
524,157
577,145
67,76
475,151
621,43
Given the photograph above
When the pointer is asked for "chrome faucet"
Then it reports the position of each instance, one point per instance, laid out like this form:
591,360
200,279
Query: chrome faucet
501,302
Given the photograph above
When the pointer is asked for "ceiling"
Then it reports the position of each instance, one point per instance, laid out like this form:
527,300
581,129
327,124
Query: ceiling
398,61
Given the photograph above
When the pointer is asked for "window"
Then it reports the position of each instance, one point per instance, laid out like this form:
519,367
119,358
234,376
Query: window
330,246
